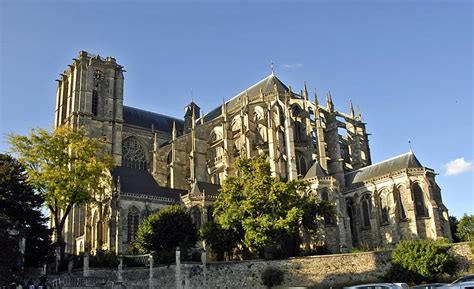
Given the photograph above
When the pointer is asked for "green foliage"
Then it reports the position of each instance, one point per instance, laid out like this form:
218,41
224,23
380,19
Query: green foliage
272,276
465,228
66,167
220,240
420,260
262,211
165,230
453,225
20,211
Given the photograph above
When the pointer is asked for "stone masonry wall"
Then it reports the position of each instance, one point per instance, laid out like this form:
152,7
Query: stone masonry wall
320,271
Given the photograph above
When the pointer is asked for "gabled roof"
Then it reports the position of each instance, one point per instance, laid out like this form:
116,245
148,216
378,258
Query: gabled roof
147,119
405,161
265,85
315,171
142,182
207,188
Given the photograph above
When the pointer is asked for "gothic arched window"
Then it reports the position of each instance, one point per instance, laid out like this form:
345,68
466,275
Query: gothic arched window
133,155
196,216
328,217
298,131
366,206
420,207
384,209
132,224
300,164
400,207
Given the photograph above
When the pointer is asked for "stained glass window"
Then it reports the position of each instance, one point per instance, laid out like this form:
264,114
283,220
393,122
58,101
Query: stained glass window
133,155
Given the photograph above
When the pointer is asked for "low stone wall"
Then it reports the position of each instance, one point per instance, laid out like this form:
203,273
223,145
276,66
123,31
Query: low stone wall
317,271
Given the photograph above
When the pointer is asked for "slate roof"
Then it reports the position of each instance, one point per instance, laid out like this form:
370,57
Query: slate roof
315,171
146,119
266,85
142,182
405,161
209,189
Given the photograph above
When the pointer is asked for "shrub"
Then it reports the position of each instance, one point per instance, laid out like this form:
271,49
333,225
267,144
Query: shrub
104,259
272,276
419,260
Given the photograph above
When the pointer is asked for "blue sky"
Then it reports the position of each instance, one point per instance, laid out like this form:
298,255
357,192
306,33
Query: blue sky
407,64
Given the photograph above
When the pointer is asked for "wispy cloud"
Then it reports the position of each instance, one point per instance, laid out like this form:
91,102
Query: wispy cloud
291,65
458,166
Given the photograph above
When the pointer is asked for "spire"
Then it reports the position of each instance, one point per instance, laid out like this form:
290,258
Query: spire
351,108
305,92
359,115
316,99
329,103
273,71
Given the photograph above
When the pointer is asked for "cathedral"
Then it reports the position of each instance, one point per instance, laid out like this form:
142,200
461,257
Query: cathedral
161,160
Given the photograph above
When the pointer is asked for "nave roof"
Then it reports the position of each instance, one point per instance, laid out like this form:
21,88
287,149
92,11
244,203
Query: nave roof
404,161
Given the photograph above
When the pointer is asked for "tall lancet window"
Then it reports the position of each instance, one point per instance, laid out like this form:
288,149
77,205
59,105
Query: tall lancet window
300,165
420,207
133,155
366,208
133,220
95,102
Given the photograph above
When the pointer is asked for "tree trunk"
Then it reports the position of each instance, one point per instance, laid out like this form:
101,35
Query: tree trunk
59,226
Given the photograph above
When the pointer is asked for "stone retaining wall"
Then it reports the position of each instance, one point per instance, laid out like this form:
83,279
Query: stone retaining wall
320,271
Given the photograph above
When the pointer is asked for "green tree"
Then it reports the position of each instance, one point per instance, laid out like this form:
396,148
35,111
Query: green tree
20,211
465,228
66,168
163,231
221,241
453,225
263,211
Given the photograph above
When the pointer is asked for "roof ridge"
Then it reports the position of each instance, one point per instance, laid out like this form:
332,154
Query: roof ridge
245,90
152,112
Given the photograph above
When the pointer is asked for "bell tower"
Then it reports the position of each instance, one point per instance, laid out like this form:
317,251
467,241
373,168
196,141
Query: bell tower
90,95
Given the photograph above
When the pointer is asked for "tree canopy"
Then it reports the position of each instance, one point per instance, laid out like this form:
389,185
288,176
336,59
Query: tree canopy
66,167
263,211
20,212
163,231
465,228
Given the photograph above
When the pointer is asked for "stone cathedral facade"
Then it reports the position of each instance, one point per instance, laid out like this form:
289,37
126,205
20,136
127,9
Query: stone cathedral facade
161,160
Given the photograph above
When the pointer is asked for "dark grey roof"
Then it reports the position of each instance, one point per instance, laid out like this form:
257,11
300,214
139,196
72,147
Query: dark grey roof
398,163
142,182
147,119
208,188
266,86
315,171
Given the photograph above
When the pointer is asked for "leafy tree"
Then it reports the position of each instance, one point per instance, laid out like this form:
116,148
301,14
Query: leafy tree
165,230
20,211
221,241
66,168
465,228
420,260
263,211
453,225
